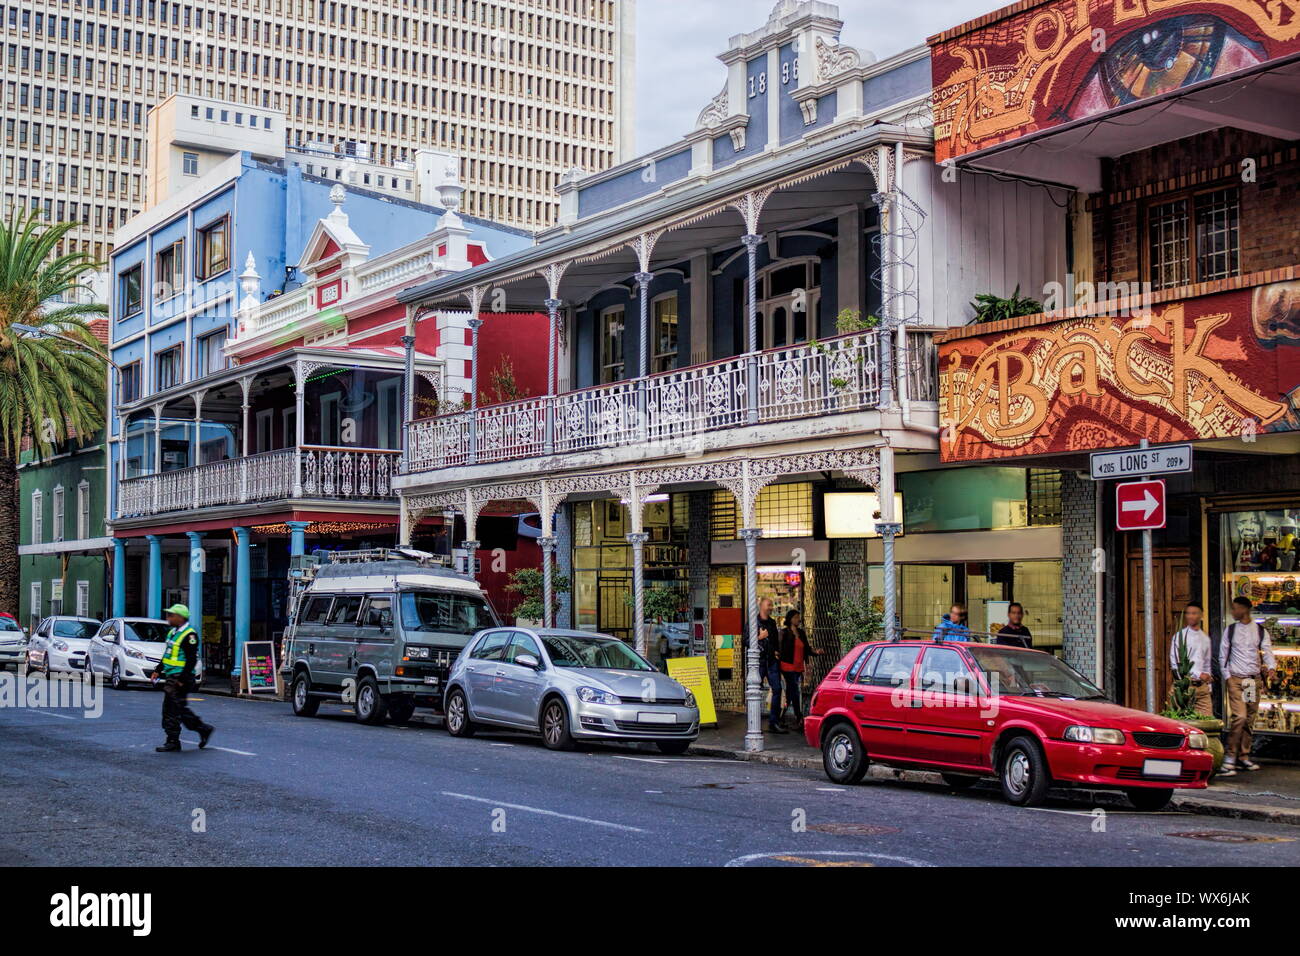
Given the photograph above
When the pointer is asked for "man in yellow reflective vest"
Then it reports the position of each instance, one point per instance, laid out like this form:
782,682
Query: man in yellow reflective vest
177,671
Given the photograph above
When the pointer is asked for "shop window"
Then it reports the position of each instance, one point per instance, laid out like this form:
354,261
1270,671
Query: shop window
1044,496
965,499
782,511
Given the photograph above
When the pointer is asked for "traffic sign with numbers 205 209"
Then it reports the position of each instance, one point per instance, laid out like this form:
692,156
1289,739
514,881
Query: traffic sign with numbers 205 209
1140,505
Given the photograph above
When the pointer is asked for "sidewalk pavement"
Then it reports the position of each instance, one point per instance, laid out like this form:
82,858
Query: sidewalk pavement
1271,794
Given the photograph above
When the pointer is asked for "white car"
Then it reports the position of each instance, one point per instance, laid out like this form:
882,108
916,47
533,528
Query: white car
127,649
13,643
60,642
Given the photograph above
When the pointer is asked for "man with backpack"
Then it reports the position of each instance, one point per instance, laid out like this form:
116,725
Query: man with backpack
1245,655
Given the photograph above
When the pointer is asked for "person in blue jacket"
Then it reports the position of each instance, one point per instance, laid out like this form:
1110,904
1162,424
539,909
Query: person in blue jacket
953,625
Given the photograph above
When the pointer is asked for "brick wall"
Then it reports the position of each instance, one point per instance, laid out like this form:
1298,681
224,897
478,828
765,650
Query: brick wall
1270,206
1078,572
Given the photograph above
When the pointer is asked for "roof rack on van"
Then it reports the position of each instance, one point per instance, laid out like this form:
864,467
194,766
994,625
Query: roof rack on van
366,555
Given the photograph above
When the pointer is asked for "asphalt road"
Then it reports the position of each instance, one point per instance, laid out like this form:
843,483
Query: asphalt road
278,789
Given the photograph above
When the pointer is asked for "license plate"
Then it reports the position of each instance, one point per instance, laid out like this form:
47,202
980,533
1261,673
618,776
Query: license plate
1162,768
657,718
431,680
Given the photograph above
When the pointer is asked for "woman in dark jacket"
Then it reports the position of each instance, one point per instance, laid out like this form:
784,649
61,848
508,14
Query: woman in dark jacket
794,653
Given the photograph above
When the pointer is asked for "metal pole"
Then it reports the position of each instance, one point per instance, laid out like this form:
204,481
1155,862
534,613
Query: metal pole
1148,614
751,243
474,323
643,291
408,399
548,552
638,539
753,687
887,533
553,313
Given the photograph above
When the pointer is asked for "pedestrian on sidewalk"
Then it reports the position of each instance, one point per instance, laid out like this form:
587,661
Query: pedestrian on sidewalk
1014,633
953,625
769,661
177,671
1196,643
1245,653
795,650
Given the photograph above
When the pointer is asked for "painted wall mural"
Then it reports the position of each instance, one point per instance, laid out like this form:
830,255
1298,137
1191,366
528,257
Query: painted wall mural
1217,366
1069,59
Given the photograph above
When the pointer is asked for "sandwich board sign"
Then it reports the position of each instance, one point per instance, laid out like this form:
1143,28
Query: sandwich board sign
259,674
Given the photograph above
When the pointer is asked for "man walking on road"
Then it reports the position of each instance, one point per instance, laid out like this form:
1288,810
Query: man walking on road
1245,654
177,670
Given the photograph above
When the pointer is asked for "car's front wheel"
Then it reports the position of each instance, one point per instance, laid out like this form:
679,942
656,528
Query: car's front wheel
371,706
555,725
1149,800
1023,772
115,677
843,756
304,704
456,715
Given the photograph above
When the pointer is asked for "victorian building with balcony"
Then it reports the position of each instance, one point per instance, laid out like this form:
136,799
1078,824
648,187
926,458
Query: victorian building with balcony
1168,133
741,356
261,369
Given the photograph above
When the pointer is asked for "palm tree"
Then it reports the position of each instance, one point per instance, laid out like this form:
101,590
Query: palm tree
52,378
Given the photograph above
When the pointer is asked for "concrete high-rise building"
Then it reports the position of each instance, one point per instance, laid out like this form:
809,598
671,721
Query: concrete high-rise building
521,90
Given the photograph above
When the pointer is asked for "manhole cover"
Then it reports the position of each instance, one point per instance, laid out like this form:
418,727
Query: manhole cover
1231,836
852,829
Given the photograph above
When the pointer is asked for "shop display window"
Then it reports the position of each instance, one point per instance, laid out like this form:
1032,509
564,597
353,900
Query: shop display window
1260,552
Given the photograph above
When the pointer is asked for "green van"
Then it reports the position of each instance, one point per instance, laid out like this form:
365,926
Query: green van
380,630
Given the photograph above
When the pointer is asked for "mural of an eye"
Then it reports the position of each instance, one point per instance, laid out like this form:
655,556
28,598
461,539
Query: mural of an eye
1161,57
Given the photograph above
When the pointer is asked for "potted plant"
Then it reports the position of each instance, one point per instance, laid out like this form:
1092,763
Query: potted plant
1182,706
992,308
527,583
860,619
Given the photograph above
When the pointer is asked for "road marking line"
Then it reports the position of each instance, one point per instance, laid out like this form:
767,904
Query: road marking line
46,713
799,854
545,813
832,790
640,759
242,753
502,745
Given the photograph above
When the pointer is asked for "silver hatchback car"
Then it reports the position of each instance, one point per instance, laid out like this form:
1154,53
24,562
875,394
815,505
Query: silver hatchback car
567,686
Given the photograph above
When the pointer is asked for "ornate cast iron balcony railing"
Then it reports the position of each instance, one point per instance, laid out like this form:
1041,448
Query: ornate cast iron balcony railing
811,379
349,474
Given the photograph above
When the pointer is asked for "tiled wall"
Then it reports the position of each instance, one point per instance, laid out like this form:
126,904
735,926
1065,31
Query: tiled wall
1079,570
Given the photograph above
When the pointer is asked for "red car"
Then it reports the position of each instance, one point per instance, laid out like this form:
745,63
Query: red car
977,710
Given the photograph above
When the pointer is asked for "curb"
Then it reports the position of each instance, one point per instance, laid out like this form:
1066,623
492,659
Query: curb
1190,801
217,690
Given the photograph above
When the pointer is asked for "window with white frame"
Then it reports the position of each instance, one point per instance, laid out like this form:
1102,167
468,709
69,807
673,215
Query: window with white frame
664,342
38,517
611,345
190,163
83,599
83,510
56,517
34,607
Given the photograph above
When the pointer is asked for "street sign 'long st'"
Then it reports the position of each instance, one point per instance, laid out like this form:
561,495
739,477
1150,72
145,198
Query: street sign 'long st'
1136,462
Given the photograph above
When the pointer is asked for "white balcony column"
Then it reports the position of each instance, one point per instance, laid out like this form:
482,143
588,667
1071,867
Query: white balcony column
637,538
552,274
471,543
746,489
408,395
196,445
299,393
474,323
245,385
548,542
643,246
750,207
157,454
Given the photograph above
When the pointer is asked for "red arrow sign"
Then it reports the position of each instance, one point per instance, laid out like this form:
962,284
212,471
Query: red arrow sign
1139,505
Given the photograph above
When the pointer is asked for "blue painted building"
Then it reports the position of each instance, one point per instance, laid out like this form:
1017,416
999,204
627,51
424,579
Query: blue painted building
258,388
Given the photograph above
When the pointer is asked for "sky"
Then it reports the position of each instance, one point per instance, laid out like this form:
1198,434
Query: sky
678,42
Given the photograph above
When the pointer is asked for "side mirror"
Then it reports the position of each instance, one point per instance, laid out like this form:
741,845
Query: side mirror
528,660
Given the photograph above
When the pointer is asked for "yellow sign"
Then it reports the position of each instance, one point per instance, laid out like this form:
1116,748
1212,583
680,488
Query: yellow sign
726,644
693,674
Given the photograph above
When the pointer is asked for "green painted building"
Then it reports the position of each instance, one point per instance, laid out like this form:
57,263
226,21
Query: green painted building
63,545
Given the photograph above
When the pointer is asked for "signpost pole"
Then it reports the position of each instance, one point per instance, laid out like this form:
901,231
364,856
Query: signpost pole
1148,616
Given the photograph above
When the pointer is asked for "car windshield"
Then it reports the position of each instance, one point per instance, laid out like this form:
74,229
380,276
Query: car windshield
77,630
9,624
1017,673
568,650
445,612
145,632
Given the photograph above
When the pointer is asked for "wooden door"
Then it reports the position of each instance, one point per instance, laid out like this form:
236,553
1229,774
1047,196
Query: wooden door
1171,573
